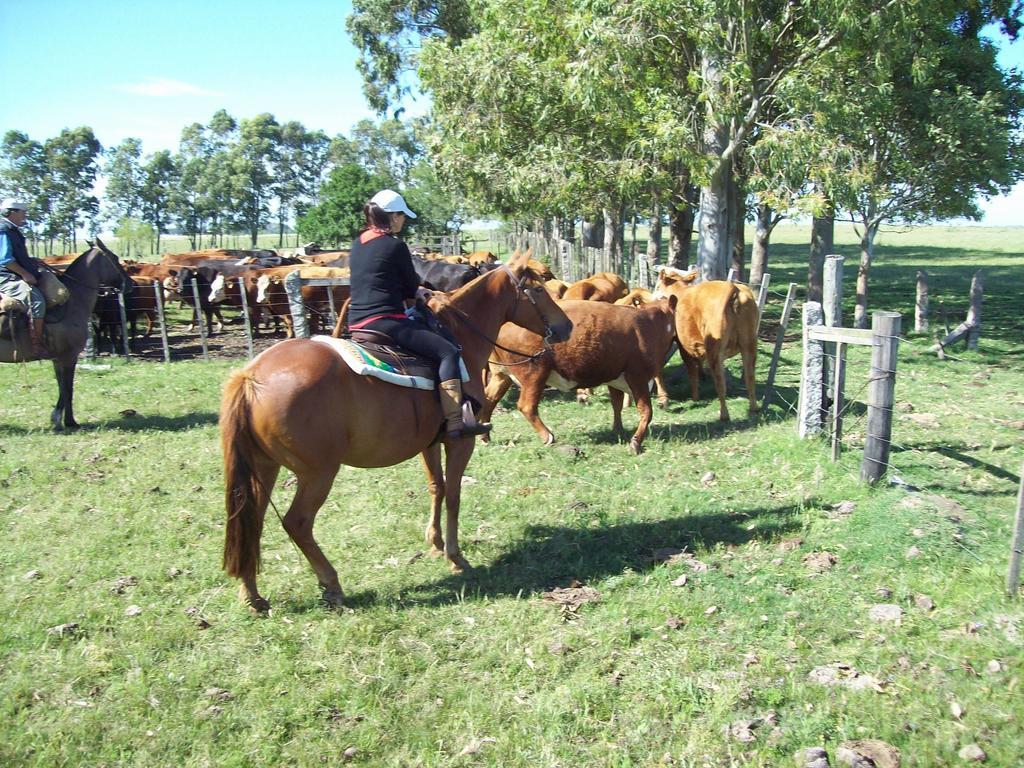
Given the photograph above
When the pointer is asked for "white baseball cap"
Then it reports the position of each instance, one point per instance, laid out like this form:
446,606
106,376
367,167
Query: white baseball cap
392,202
12,203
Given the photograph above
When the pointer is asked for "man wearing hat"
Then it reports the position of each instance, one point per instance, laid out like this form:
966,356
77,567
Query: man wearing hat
19,275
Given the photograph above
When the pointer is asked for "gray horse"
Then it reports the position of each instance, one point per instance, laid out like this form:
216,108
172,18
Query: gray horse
67,326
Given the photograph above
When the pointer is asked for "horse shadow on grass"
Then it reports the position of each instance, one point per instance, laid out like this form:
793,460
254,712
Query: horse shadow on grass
550,556
134,422
130,423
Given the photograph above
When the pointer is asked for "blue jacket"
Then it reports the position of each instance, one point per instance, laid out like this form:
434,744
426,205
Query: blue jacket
12,248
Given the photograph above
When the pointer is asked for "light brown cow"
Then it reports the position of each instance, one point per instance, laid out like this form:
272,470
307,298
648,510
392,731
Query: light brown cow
623,347
603,286
714,320
476,258
556,287
637,297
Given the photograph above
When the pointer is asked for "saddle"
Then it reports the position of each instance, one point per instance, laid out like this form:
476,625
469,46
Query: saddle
371,353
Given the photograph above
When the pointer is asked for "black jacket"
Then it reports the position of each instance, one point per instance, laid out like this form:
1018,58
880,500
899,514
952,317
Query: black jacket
18,248
381,276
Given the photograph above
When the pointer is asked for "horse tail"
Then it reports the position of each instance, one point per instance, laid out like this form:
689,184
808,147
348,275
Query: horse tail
244,495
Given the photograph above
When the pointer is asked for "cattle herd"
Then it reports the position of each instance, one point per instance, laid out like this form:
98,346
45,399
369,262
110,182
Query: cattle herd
621,338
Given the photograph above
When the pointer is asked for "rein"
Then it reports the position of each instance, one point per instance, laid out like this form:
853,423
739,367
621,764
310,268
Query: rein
520,288
63,276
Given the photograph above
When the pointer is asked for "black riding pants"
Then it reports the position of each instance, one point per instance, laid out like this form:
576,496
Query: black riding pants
413,336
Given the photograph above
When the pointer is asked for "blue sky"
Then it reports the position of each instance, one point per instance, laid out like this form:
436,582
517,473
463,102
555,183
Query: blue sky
147,68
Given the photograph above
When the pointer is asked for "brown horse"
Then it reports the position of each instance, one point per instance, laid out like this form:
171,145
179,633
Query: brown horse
299,405
67,326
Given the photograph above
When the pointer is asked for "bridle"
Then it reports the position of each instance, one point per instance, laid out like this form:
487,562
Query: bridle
521,287
125,277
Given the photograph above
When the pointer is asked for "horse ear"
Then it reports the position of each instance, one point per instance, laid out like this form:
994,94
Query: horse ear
100,244
519,261
89,243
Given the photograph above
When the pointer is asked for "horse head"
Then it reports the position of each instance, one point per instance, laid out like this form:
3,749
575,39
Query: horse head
111,271
534,302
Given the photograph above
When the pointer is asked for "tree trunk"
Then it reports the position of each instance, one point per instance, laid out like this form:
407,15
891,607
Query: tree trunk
715,232
762,237
867,251
714,243
654,238
593,234
822,234
738,213
611,238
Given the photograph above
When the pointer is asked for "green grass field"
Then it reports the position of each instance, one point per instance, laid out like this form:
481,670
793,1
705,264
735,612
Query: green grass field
117,530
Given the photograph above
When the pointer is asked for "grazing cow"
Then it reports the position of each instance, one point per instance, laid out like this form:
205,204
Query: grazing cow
604,286
623,347
442,276
714,320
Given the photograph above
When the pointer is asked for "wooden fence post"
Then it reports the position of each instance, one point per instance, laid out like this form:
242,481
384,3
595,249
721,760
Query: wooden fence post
123,312
199,317
777,352
1017,542
293,288
974,313
885,330
158,292
832,306
838,382
245,312
921,305
811,374
762,295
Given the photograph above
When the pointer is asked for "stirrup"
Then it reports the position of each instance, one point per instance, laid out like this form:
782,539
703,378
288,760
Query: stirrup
480,428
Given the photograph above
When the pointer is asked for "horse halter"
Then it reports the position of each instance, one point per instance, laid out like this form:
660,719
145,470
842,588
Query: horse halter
521,287
125,277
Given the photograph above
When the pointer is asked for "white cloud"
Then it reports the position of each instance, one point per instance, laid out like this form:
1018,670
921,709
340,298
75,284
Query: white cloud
162,86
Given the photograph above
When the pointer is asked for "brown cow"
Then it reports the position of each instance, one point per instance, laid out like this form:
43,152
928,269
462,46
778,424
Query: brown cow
623,347
714,320
273,297
476,258
604,286
636,298
556,287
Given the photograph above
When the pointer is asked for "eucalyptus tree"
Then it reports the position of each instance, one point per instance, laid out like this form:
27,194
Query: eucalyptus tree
297,168
547,110
927,126
72,163
23,173
388,35
191,203
125,179
161,176
251,160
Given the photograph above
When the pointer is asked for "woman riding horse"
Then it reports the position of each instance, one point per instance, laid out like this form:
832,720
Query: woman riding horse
299,405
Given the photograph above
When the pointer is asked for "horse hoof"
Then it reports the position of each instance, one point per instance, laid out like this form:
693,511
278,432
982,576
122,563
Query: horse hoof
435,552
459,564
333,598
635,447
258,607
